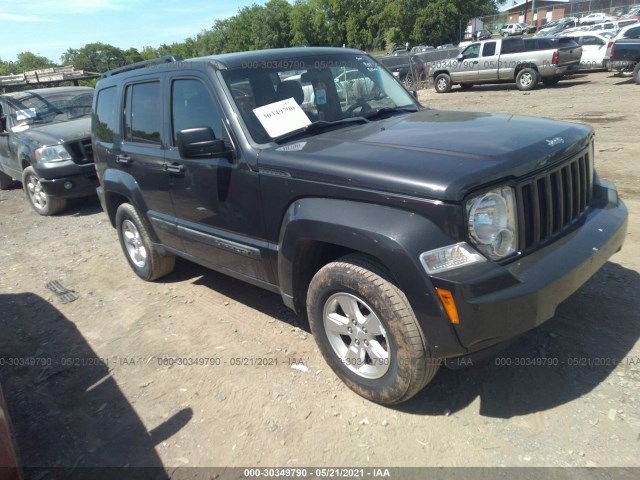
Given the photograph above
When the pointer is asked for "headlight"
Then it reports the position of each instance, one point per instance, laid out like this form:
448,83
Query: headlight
53,153
492,222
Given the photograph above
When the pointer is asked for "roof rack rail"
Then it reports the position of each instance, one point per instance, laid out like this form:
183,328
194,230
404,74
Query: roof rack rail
144,63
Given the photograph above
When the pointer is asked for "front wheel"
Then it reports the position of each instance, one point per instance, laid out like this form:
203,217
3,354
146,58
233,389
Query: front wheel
367,332
443,83
42,203
526,79
144,258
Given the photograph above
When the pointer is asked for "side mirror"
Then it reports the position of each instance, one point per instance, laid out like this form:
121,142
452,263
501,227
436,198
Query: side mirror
201,142
460,57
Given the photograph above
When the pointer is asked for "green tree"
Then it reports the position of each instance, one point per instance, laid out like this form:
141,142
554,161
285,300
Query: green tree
30,61
95,57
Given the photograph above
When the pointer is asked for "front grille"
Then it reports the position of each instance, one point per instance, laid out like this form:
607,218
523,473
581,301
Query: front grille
81,151
550,202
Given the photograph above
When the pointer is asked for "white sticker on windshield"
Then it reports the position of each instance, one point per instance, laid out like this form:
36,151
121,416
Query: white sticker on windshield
24,114
282,117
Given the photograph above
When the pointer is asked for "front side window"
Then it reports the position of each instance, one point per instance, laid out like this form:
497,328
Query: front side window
472,51
143,113
192,107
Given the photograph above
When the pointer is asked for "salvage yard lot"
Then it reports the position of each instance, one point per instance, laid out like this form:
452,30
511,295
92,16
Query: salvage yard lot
203,370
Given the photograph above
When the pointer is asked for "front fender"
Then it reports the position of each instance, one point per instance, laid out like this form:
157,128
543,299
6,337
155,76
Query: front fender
395,237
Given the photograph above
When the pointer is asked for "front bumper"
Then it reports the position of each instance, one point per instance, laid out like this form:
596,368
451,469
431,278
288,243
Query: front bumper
79,182
497,302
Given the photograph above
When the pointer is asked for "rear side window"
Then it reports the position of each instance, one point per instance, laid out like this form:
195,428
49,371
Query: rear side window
104,120
633,33
489,49
512,45
589,40
143,113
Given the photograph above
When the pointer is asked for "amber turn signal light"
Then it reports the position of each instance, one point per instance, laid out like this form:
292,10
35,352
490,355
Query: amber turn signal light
449,305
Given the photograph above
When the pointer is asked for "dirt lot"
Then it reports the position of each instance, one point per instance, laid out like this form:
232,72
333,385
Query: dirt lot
109,399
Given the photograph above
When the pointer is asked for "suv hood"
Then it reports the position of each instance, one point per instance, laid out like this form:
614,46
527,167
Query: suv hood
435,154
62,132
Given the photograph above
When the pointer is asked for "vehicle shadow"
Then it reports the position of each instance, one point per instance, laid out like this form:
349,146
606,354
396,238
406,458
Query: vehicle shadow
68,414
82,207
511,87
254,297
592,332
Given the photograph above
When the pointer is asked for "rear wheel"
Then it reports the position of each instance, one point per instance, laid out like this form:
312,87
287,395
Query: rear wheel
41,202
443,83
526,79
636,73
367,332
144,258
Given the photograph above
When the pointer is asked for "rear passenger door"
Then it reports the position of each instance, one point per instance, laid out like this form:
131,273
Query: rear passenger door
141,153
217,203
489,57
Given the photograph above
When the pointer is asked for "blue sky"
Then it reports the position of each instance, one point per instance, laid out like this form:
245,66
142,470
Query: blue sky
50,27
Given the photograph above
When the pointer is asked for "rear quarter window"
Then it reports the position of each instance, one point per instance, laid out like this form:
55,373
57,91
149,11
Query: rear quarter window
104,118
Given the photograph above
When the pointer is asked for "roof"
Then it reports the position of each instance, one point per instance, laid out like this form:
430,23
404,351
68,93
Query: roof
238,59
519,5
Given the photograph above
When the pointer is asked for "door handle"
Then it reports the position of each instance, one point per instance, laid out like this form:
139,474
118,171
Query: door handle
475,62
175,168
123,159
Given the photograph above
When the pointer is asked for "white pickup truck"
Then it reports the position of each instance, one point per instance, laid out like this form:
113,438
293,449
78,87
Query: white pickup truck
523,61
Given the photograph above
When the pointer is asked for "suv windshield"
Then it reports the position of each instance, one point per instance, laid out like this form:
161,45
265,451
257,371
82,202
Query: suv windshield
29,108
327,89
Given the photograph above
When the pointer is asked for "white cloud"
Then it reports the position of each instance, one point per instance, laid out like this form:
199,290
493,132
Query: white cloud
12,17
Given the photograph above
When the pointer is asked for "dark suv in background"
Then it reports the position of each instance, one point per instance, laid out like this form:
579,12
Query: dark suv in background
407,237
45,143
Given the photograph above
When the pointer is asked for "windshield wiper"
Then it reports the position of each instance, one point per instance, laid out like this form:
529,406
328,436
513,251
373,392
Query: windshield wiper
384,110
318,125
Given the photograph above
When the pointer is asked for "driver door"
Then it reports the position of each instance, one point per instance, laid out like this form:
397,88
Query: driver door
467,68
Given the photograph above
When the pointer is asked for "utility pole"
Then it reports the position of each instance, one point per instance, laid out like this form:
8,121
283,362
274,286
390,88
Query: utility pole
526,5
533,12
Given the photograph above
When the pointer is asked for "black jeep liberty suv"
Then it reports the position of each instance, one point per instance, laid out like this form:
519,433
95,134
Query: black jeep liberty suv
410,236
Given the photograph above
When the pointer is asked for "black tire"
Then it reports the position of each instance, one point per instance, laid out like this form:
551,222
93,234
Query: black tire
636,73
42,203
408,81
443,83
526,79
368,292
466,86
550,81
5,181
142,255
